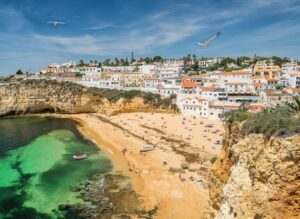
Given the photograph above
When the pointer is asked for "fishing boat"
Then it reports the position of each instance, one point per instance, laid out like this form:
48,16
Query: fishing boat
80,156
146,148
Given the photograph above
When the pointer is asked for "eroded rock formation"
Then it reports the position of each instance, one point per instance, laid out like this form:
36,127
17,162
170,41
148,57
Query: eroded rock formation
65,97
256,177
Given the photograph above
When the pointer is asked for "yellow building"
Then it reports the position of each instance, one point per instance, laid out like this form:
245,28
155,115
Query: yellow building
267,71
133,79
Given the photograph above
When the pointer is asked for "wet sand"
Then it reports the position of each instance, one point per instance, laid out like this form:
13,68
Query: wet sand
157,176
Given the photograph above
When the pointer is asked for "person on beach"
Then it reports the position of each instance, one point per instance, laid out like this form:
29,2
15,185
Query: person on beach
124,150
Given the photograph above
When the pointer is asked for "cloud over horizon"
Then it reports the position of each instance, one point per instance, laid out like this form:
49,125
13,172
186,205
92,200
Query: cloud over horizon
114,29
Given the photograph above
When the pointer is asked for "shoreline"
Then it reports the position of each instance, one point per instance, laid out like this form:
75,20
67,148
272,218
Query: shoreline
173,189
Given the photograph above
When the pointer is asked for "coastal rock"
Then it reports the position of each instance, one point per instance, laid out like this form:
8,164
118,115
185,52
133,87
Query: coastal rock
38,96
110,196
255,177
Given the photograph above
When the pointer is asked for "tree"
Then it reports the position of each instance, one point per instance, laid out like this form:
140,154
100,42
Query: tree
238,61
78,74
126,63
116,61
106,62
122,61
99,65
19,72
189,57
81,63
194,58
157,59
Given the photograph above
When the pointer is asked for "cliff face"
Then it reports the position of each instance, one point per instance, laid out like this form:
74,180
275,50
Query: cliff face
255,177
50,96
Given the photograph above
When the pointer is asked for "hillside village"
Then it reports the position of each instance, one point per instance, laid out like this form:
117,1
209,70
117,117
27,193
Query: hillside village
206,87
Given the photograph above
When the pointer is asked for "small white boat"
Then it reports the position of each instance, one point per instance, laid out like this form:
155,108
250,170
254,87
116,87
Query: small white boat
80,156
146,148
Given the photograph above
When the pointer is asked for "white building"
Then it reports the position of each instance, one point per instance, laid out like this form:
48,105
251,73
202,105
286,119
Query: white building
218,109
294,79
209,62
168,69
90,74
147,69
151,82
235,75
69,64
289,67
118,68
213,93
111,80
237,87
274,97
194,106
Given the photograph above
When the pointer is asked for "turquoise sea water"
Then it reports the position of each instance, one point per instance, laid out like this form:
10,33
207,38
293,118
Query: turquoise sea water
37,171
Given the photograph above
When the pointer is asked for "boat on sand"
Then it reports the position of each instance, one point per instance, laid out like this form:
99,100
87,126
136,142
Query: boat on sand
147,148
80,156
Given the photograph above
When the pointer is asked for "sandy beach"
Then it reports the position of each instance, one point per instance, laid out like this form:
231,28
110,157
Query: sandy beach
157,176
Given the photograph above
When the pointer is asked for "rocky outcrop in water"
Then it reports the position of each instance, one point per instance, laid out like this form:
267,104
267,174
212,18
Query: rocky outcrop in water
256,177
36,96
108,196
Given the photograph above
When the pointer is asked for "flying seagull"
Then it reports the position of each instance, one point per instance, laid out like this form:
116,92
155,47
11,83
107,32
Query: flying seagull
205,44
56,23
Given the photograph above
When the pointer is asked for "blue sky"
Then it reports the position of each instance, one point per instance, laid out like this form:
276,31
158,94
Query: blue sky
112,28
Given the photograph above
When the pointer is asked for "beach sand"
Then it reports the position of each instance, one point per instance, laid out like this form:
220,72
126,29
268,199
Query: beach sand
178,140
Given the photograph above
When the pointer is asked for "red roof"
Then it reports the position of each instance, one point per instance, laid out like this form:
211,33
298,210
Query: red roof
201,99
271,79
258,84
188,84
256,106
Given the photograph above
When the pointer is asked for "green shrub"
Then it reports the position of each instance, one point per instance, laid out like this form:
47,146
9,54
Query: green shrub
236,116
276,122
281,120
213,159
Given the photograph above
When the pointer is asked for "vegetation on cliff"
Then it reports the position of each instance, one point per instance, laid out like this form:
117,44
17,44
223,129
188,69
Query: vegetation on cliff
277,121
153,100
68,97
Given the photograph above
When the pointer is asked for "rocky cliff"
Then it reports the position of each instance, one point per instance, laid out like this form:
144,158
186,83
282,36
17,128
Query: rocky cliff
256,177
37,96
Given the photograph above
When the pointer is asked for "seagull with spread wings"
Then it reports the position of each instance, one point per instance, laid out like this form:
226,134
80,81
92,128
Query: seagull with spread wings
210,39
56,23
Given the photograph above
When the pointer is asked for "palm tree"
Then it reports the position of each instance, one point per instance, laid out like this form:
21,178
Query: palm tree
117,61
81,62
194,58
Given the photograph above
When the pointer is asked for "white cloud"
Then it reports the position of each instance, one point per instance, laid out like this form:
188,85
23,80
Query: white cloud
100,27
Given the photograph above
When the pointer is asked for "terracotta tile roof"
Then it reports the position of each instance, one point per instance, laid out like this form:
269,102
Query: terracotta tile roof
294,89
256,106
201,99
188,84
258,84
271,79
